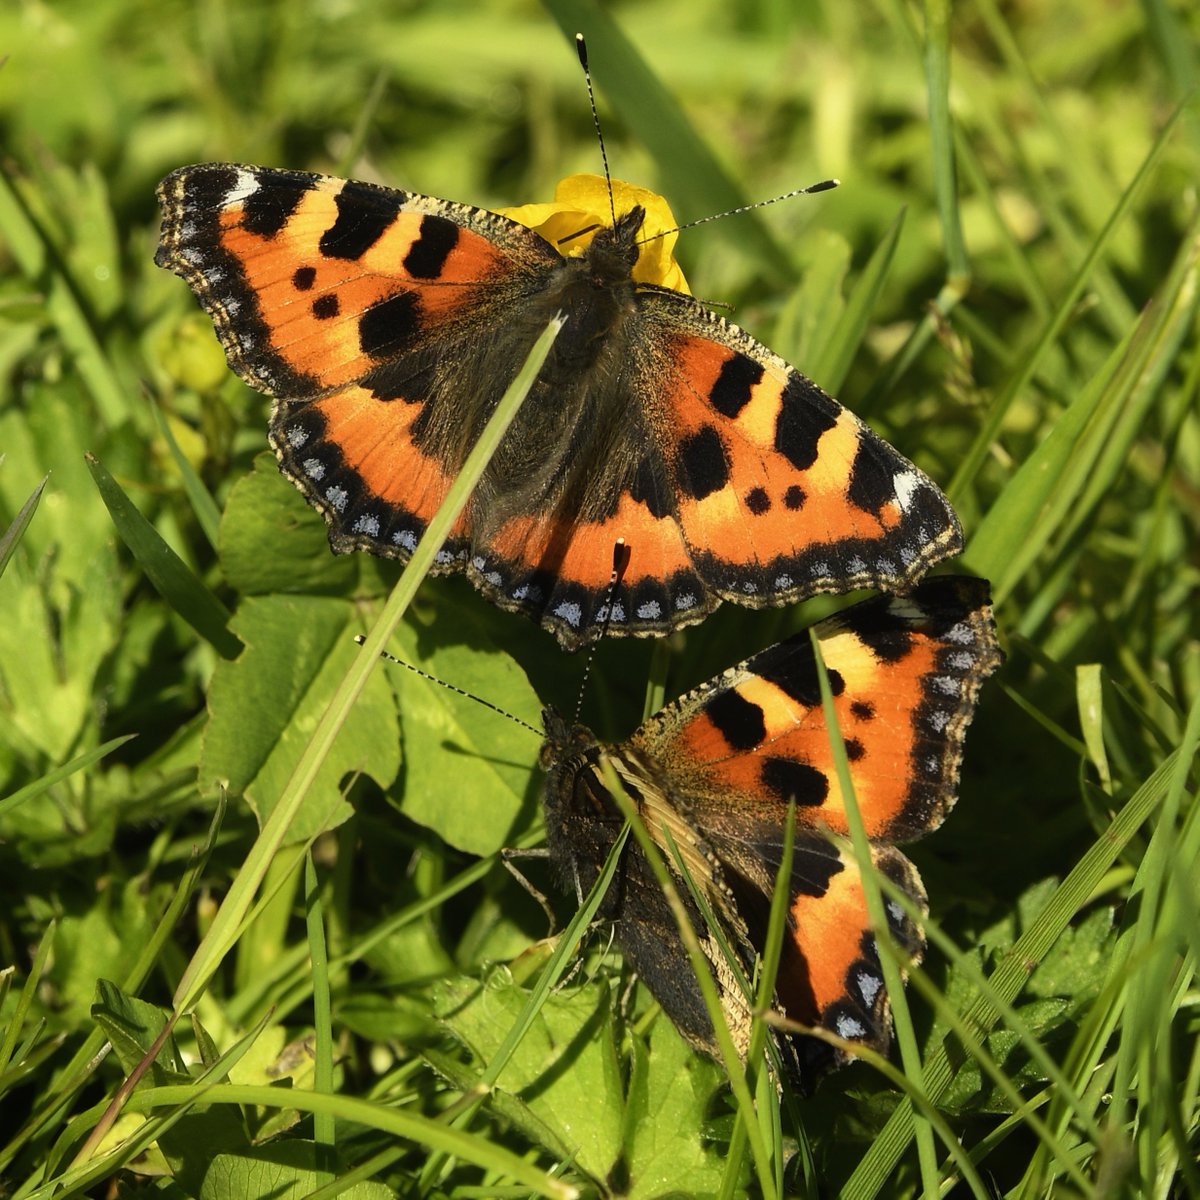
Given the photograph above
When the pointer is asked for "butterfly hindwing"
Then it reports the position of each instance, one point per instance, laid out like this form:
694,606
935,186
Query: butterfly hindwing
712,775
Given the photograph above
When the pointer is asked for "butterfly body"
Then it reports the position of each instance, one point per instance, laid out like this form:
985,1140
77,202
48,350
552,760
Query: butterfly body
386,325
711,776
583,822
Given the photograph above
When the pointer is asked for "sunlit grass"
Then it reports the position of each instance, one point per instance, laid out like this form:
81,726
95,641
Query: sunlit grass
1005,285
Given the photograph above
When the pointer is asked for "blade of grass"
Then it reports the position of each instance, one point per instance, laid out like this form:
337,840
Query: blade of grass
1031,362
703,972
208,515
222,933
314,915
832,364
1089,187
941,139
1018,260
79,1072
549,976
1164,326
172,578
1010,976
40,264
1149,897
348,164
946,301
1177,48
15,531
482,1152
906,1038
1075,191
79,763
764,1001
1087,447
289,983
970,1040
18,1013
1027,509
762,998
934,47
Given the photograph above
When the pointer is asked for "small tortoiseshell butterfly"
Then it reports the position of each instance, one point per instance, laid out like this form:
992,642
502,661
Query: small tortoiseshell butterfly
387,324
717,769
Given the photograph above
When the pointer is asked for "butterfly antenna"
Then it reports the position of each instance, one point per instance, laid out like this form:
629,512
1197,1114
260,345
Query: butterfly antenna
581,50
621,557
451,688
825,185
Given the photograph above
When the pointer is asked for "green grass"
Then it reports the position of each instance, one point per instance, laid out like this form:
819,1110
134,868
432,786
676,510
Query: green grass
195,808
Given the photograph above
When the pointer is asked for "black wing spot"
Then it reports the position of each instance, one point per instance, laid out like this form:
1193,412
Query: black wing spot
792,781
805,413
796,676
872,484
703,467
267,209
863,710
363,215
813,867
888,644
738,720
304,278
738,377
757,501
794,498
389,327
427,255
325,307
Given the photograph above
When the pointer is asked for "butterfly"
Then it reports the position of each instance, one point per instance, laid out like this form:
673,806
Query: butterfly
711,776
387,324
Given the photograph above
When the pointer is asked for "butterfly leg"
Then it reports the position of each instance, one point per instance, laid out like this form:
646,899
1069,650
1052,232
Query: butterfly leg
506,856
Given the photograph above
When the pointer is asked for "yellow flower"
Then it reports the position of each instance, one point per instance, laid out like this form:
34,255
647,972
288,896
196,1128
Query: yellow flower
581,201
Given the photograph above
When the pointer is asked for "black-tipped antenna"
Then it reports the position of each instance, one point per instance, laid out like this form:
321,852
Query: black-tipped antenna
825,185
621,556
451,688
581,50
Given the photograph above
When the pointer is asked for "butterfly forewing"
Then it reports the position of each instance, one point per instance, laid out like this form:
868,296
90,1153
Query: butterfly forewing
905,673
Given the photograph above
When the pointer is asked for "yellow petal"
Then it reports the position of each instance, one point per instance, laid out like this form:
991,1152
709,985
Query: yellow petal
581,203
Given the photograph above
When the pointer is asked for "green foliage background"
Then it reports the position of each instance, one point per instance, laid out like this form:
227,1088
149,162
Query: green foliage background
1005,286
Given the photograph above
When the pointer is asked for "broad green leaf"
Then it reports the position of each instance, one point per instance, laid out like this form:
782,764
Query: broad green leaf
284,1171
565,1064
271,541
667,1150
265,704
469,773
132,1026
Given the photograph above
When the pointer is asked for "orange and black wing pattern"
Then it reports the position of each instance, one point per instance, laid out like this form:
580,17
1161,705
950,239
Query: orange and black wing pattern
386,325
342,301
780,492
714,773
